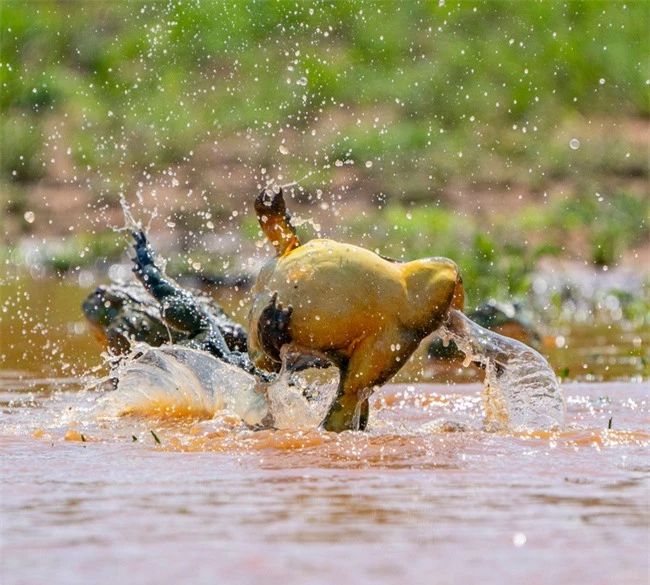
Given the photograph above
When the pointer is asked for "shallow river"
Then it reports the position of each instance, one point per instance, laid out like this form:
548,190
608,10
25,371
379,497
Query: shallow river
87,499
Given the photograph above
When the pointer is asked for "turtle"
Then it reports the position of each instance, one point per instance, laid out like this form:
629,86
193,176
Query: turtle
364,313
123,313
178,348
158,311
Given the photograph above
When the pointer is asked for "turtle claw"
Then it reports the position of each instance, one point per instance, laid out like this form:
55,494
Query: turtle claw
144,255
149,274
141,242
273,327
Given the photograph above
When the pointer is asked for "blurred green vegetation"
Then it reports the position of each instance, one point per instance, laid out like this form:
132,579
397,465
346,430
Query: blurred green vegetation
402,104
133,84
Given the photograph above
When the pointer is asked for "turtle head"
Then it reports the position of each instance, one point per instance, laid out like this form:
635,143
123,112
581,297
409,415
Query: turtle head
270,203
102,306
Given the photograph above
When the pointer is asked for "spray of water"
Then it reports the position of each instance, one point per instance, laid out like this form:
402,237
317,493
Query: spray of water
521,390
300,399
176,381
130,223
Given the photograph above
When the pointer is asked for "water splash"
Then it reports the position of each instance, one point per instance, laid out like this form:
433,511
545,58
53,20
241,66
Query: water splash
521,390
176,381
299,400
300,221
130,223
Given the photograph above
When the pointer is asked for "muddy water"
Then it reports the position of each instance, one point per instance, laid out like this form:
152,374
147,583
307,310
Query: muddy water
92,499
213,502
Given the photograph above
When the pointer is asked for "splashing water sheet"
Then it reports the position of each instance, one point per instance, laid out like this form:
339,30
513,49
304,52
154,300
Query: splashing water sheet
521,391
180,382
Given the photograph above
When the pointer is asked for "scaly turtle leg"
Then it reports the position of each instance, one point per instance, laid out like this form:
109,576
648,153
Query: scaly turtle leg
181,310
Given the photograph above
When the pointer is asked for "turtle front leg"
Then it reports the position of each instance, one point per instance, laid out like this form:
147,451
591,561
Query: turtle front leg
273,334
273,327
179,308
182,311
147,271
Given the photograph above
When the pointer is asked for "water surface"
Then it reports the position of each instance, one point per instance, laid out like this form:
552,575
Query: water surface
214,502
150,499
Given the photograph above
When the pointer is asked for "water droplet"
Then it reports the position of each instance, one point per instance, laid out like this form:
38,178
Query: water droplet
283,149
519,539
29,216
601,81
368,164
86,278
574,143
302,81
